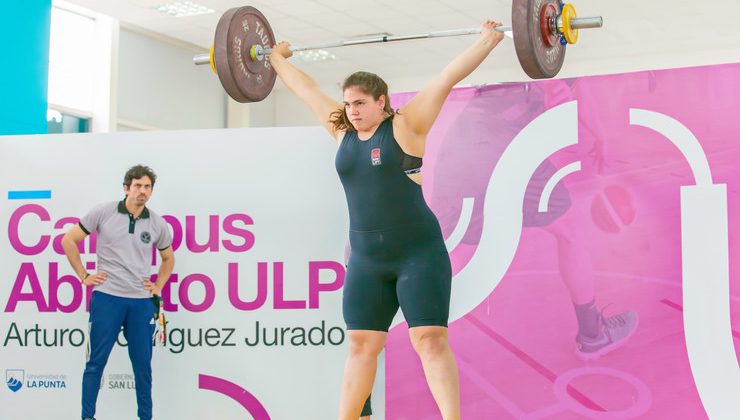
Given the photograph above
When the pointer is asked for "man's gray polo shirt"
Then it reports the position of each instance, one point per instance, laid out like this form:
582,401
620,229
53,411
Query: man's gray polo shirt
124,246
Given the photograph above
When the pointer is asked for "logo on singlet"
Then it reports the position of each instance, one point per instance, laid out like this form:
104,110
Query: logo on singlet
145,237
375,156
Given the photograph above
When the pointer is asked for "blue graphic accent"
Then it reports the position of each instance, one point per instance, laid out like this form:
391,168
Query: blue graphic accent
29,195
25,29
14,384
14,379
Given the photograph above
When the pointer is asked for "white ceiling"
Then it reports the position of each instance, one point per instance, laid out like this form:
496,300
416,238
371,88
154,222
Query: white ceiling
637,34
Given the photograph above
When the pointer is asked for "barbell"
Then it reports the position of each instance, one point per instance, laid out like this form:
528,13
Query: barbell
541,31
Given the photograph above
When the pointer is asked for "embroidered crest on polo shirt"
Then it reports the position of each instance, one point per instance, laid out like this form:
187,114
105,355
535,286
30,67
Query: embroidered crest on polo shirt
145,237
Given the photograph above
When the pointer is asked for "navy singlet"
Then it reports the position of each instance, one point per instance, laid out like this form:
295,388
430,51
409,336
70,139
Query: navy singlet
398,253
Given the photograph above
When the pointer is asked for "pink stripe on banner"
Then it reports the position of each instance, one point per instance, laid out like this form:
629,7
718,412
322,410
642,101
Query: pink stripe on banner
678,307
537,366
235,392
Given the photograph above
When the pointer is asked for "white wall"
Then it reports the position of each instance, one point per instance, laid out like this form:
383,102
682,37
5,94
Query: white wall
291,112
159,87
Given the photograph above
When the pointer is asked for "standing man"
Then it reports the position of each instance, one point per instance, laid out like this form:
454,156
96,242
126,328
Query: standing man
123,294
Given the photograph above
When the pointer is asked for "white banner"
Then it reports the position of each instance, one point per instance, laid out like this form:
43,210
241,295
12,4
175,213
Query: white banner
259,223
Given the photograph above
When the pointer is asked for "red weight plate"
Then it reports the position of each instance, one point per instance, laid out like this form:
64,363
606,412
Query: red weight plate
548,14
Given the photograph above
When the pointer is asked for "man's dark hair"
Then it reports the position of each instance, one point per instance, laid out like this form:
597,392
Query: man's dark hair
138,172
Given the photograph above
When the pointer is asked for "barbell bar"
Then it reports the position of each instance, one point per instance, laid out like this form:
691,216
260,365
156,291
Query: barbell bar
541,30
257,52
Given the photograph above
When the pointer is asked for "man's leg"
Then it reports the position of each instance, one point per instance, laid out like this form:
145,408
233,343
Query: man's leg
138,329
106,317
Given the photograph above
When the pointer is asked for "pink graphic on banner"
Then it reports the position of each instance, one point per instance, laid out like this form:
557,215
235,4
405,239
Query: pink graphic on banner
235,392
588,320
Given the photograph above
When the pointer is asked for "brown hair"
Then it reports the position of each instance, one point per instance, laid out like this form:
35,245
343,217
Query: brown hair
138,172
369,84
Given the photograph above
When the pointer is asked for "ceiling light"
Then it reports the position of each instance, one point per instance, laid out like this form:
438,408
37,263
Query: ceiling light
184,9
313,56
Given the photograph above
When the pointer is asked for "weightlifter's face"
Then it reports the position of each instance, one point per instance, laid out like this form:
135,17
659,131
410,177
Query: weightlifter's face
363,111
